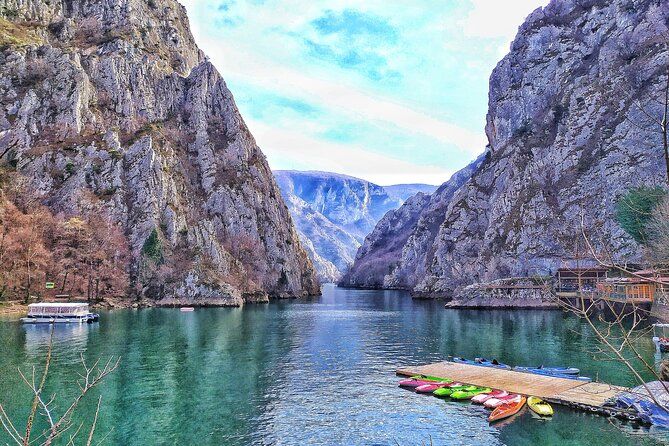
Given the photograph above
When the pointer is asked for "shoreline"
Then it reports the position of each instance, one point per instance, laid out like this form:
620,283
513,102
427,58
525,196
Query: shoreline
13,308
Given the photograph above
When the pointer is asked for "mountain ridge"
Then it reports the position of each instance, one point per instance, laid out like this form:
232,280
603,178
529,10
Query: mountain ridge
334,212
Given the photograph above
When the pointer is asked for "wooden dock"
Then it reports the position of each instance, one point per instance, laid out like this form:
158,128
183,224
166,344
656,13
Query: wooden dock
568,392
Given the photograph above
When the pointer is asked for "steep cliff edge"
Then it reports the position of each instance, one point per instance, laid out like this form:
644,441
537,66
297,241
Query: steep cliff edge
394,254
109,107
333,213
565,140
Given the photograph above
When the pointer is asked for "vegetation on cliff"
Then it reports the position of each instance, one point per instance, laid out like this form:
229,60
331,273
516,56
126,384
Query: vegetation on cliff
82,255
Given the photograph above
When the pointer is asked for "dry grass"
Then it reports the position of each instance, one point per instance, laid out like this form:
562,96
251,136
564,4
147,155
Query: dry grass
18,35
12,308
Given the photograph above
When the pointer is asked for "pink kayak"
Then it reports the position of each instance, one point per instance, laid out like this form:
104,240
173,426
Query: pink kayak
429,388
482,398
496,402
412,382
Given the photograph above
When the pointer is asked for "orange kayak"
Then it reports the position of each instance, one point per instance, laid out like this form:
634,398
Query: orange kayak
507,409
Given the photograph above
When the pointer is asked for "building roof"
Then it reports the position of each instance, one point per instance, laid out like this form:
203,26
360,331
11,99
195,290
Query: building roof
588,269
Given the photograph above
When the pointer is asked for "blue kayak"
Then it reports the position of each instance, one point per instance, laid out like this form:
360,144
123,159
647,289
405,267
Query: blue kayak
560,370
481,362
553,374
652,413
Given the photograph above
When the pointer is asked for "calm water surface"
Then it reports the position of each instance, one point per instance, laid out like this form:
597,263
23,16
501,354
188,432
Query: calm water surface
314,372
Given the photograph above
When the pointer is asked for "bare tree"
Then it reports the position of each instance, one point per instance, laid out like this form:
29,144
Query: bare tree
618,326
44,406
658,231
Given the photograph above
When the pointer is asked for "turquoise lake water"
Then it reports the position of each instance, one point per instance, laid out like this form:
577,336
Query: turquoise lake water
309,372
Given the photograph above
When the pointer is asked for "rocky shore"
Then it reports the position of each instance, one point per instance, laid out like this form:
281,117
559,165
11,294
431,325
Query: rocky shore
509,293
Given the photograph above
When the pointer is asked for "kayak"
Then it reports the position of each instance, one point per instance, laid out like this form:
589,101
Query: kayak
413,383
652,413
482,398
507,409
540,406
558,370
467,394
495,402
420,380
448,389
430,378
429,388
481,362
555,375
463,388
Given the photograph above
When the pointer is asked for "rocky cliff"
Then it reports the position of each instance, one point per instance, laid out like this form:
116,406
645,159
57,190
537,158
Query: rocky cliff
333,213
570,128
395,253
109,107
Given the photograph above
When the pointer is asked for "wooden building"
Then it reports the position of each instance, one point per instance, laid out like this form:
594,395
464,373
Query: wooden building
572,280
627,289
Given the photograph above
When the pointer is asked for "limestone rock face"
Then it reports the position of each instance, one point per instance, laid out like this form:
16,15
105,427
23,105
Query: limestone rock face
109,106
333,213
395,253
566,138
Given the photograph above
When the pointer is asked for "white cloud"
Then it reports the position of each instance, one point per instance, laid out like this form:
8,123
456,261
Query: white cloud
498,19
287,149
445,53
252,68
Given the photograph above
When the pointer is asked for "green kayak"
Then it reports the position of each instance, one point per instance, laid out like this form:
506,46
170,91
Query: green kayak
467,393
447,391
431,378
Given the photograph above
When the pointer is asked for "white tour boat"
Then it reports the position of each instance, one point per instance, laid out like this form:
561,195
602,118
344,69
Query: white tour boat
59,313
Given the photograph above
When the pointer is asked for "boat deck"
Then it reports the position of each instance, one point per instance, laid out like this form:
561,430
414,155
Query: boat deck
555,390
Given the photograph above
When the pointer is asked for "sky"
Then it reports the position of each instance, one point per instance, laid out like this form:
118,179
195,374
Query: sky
385,90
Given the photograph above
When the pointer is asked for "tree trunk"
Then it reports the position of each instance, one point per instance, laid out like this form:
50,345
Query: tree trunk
665,118
62,288
29,282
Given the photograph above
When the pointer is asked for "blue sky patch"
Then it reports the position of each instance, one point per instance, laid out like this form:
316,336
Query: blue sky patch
387,91
351,23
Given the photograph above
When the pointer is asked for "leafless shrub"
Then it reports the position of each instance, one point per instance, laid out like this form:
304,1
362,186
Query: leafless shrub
45,406
658,231
37,70
89,31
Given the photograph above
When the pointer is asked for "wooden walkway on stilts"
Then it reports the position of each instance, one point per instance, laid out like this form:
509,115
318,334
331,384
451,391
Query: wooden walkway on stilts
555,390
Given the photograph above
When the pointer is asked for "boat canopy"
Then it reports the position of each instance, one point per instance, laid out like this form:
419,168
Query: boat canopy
58,309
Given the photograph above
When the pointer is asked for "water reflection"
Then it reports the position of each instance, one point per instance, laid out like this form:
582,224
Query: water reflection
69,340
317,371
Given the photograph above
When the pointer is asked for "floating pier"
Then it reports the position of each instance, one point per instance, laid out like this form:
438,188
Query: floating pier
568,392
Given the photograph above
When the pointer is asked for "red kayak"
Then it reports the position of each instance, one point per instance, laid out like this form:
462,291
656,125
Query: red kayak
507,409
496,402
482,398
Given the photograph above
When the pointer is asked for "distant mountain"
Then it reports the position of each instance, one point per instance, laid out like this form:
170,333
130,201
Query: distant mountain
406,191
334,213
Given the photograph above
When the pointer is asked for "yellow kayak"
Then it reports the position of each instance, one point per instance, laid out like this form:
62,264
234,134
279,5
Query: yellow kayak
540,406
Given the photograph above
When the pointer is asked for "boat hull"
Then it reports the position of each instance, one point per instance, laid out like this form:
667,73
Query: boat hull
539,406
507,410
87,319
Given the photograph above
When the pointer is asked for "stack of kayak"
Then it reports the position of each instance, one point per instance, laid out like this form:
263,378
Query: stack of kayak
481,362
556,372
502,403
